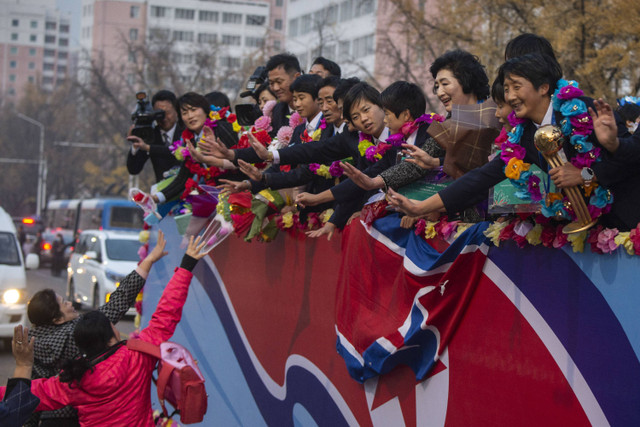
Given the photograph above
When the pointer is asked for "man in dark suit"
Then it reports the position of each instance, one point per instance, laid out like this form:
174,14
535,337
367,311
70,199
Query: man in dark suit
282,70
167,131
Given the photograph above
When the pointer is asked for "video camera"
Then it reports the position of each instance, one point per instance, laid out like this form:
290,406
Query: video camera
258,77
144,118
248,113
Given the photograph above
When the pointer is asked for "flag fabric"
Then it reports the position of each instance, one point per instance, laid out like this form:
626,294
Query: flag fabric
399,300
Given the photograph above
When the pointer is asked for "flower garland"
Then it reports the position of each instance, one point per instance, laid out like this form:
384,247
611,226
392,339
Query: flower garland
576,125
397,139
315,136
372,152
332,171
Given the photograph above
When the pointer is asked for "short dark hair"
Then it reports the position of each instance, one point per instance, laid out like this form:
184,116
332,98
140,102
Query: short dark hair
195,100
402,95
43,308
537,68
307,83
343,87
360,92
165,95
466,68
264,86
287,60
332,81
330,66
629,111
497,90
218,99
528,43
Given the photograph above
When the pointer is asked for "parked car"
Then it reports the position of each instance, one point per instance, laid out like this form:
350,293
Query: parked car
99,261
13,280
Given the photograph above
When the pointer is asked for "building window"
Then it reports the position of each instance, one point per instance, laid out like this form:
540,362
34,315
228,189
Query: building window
277,44
63,42
158,11
63,55
134,12
133,34
15,22
208,16
185,14
12,77
47,80
32,52
159,34
34,24
14,50
231,40
183,36
12,91
254,41
49,53
64,28
293,27
346,10
49,39
13,64
14,36
31,79
229,62
279,3
62,69
32,65
50,26
306,24
256,20
332,14
277,24
132,57
363,46
47,67
344,50
207,38
232,18
363,7
33,38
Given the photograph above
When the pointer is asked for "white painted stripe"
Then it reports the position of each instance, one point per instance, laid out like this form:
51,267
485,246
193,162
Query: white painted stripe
349,347
564,361
277,390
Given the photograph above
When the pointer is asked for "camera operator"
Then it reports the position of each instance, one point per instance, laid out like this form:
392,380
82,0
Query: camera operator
157,149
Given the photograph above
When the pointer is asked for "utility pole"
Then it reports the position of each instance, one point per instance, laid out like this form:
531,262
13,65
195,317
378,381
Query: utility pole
42,180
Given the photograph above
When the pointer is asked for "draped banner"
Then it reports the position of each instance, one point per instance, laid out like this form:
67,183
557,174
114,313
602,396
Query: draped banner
427,333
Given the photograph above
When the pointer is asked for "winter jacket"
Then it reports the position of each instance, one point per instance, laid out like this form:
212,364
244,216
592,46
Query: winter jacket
118,390
55,343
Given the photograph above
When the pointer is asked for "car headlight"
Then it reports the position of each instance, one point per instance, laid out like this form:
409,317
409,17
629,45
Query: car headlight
113,276
11,296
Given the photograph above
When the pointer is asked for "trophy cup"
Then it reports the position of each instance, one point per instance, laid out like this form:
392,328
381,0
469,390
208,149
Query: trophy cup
548,139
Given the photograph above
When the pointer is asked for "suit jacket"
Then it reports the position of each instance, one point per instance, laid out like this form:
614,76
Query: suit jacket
611,172
279,117
161,157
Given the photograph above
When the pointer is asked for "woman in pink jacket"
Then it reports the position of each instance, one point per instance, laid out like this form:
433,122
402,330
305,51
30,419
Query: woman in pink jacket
110,385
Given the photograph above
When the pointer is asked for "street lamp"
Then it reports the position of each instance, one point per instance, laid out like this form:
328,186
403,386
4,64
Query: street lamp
41,166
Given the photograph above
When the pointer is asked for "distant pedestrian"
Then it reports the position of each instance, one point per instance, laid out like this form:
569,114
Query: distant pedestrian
57,262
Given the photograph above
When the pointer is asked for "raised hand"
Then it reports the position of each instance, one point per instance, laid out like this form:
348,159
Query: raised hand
360,179
212,146
22,348
158,251
194,249
327,229
233,186
419,157
306,199
402,203
260,149
604,125
250,170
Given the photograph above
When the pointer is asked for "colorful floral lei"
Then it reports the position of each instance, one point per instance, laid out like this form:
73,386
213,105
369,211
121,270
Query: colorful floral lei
373,153
315,136
576,125
397,139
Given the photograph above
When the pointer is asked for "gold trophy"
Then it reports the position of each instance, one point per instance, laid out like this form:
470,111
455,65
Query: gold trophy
548,140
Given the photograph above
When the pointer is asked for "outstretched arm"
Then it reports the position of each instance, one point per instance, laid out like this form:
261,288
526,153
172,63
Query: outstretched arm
125,295
169,310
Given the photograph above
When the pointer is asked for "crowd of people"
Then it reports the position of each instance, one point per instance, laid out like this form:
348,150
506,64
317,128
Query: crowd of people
335,144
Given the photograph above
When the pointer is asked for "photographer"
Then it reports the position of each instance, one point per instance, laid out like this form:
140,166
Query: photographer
157,147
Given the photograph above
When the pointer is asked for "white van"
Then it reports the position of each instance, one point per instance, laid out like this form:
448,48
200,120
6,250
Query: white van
13,280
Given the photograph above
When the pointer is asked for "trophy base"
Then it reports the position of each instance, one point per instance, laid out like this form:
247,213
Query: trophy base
576,227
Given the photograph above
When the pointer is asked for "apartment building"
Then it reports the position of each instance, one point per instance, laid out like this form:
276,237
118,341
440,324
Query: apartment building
34,46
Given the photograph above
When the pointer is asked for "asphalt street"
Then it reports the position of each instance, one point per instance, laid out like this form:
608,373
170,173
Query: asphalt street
37,280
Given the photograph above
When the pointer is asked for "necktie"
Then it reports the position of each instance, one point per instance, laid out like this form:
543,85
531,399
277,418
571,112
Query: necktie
165,136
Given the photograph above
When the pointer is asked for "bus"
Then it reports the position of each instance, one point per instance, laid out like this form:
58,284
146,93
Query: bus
76,215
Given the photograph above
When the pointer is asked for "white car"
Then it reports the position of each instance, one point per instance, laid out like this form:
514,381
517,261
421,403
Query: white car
13,280
99,261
